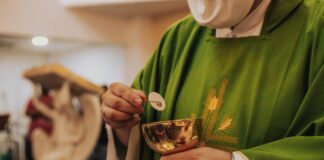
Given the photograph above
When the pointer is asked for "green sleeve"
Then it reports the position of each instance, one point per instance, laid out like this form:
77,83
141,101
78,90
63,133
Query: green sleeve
305,138
156,74
146,80
154,77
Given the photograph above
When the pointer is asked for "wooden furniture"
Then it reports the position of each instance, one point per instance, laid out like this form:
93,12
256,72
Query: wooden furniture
52,76
75,131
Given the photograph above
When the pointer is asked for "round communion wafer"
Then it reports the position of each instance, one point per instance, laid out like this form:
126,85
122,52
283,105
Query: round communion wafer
156,101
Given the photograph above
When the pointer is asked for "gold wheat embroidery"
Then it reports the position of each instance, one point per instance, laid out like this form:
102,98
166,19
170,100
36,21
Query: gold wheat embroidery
227,122
212,104
212,108
206,111
210,116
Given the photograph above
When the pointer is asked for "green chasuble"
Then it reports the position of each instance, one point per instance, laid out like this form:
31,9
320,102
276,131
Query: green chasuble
275,91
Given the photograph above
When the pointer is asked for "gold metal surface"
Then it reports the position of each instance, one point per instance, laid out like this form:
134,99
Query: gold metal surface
166,137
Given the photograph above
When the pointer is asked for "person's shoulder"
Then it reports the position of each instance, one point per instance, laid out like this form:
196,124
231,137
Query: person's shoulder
314,3
312,12
184,27
315,8
187,22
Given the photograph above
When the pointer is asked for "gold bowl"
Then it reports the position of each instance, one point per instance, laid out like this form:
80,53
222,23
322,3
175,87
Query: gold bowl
166,137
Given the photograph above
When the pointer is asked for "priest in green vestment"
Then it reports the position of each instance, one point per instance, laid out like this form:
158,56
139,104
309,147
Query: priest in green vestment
272,58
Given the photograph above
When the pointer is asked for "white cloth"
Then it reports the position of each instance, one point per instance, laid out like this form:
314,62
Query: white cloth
250,26
133,144
111,148
237,155
219,13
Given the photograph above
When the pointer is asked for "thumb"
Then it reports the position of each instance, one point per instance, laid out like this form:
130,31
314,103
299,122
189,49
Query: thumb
140,93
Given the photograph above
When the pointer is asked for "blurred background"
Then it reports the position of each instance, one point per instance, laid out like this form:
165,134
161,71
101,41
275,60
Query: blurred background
103,41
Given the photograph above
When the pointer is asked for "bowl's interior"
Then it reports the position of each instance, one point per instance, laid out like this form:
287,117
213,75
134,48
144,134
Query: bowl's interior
167,135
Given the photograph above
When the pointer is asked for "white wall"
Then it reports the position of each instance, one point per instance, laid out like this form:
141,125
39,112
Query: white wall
101,65
50,18
138,36
13,88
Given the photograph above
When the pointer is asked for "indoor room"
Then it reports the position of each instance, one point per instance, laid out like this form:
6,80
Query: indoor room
101,42
161,80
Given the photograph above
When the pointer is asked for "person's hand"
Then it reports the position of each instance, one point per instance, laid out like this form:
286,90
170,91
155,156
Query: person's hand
201,153
120,104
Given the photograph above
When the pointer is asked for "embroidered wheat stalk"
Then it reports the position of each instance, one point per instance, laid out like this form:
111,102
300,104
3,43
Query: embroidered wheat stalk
211,94
227,122
212,108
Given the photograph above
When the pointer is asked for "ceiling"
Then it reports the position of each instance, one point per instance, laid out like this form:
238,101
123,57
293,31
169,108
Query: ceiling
128,7
23,43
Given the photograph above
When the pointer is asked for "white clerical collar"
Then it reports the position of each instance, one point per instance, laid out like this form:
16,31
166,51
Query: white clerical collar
250,26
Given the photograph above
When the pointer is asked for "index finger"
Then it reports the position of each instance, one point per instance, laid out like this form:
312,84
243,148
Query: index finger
131,96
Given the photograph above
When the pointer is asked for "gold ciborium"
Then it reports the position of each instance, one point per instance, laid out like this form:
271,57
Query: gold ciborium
167,137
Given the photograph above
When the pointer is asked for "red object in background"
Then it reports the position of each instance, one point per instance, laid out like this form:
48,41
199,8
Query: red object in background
38,120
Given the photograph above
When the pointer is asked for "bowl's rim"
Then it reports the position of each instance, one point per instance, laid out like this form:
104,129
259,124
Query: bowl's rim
168,121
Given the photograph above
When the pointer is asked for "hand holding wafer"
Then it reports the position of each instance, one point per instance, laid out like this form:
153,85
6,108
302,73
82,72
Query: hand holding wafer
119,105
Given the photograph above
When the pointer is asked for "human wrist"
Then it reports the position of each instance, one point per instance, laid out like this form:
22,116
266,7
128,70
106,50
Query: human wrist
122,135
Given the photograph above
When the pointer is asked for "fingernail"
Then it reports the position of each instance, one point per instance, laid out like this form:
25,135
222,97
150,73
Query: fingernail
138,102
